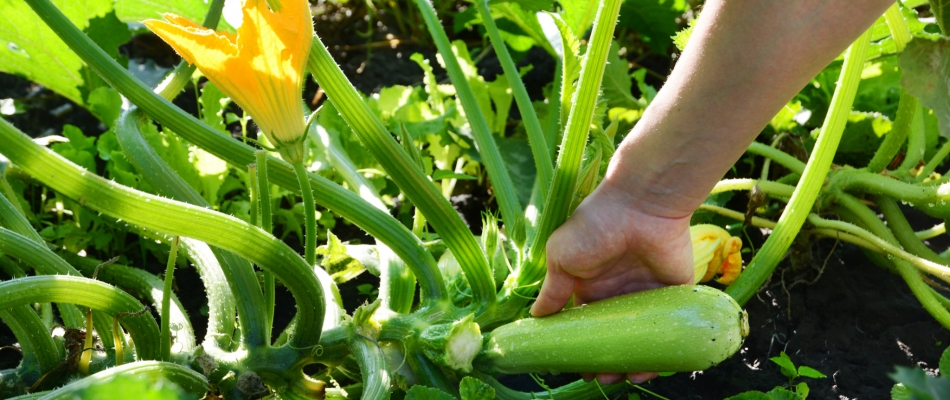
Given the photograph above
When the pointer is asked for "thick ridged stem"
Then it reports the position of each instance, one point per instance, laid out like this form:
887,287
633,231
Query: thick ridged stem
222,272
175,219
87,293
406,174
187,379
812,179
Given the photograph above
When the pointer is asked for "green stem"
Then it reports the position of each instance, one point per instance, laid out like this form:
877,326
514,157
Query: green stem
39,351
187,379
539,147
407,175
168,216
908,104
397,284
859,181
934,162
252,194
906,271
141,285
931,233
310,214
916,143
904,233
504,189
373,367
87,293
166,349
895,138
11,218
813,177
779,156
222,272
770,188
267,223
940,271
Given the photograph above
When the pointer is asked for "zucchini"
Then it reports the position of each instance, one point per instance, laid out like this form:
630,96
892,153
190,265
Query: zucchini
670,329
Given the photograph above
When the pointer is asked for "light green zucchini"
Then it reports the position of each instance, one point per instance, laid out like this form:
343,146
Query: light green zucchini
670,329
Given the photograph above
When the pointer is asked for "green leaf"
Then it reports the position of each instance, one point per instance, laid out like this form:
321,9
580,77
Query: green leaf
132,387
501,97
810,372
782,394
211,173
861,138
441,174
655,20
213,102
941,10
528,5
617,82
788,368
474,389
33,51
340,265
138,10
751,395
920,385
579,14
900,392
106,103
945,362
431,83
802,389
520,164
419,392
926,75
109,33
80,149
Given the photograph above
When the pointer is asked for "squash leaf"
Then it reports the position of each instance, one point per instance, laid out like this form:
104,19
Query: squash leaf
926,68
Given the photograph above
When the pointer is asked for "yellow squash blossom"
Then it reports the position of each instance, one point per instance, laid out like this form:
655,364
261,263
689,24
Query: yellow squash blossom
261,67
715,252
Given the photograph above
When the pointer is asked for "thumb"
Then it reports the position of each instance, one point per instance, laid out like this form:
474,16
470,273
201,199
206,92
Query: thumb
556,290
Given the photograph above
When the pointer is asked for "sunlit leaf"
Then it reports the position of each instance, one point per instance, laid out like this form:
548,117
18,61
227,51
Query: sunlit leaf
33,51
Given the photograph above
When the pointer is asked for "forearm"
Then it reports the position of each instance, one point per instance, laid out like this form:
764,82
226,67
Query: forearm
745,60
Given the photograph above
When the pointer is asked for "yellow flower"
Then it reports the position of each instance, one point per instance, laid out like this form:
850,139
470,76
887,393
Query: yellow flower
715,252
261,67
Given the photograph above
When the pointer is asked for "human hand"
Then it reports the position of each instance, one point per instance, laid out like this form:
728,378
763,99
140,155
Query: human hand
608,248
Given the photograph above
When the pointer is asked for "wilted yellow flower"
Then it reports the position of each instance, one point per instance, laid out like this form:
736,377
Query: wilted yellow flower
261,67
715,252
